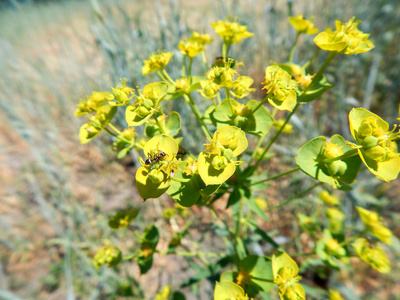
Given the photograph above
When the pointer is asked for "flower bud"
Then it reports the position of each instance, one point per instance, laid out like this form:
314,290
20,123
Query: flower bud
219,162
337,168
156,176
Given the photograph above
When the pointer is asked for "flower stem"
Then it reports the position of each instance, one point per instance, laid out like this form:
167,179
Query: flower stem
229,100
168,77
190,66
293,47
295,196
276,176
196,112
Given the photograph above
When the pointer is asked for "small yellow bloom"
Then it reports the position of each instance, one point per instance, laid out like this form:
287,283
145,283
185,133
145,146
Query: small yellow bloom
280,88
345,39
302,25
189,48
373,255
223,77
203,39
332,150
279,123
335,295
157,61
231,32
374,225
328,198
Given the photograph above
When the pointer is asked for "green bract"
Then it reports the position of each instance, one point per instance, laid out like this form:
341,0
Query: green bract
215,164
378,150
154,177
285,271
254,275
146,103
329,250
97,122
257,123
312,159
227,290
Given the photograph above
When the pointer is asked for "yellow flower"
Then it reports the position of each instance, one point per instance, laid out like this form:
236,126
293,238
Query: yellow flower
335,295
280,88
189,48
93,103
336,218
157,61
345,39
328,198
203,39
302,25
231,32
278,125
378,147
223,77
374,225
122,94
215,163
108,255
209,89
241,87
154,177
373,255
285,271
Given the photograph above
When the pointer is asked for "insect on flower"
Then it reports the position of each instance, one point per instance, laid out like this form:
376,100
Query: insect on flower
154,157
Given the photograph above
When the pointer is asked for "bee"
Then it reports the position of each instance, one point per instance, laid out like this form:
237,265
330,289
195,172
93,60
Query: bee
153,158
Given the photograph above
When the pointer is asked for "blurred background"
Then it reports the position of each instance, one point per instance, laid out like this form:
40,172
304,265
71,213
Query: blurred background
56,195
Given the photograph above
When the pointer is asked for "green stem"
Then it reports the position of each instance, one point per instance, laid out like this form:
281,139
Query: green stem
276,176
168,77
184,66
191,254
114,128
317,76
274,138
190,66
196,112
349,240
161,76
295,196
203,56
308,62
110,132
158,124
293,47
229,100
260,104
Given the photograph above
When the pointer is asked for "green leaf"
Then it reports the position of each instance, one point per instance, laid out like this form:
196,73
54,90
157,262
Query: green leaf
150,236
145,263
258,123
317,89
263,234
173,124
309,160
185,193
260,270
248,197
123,152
